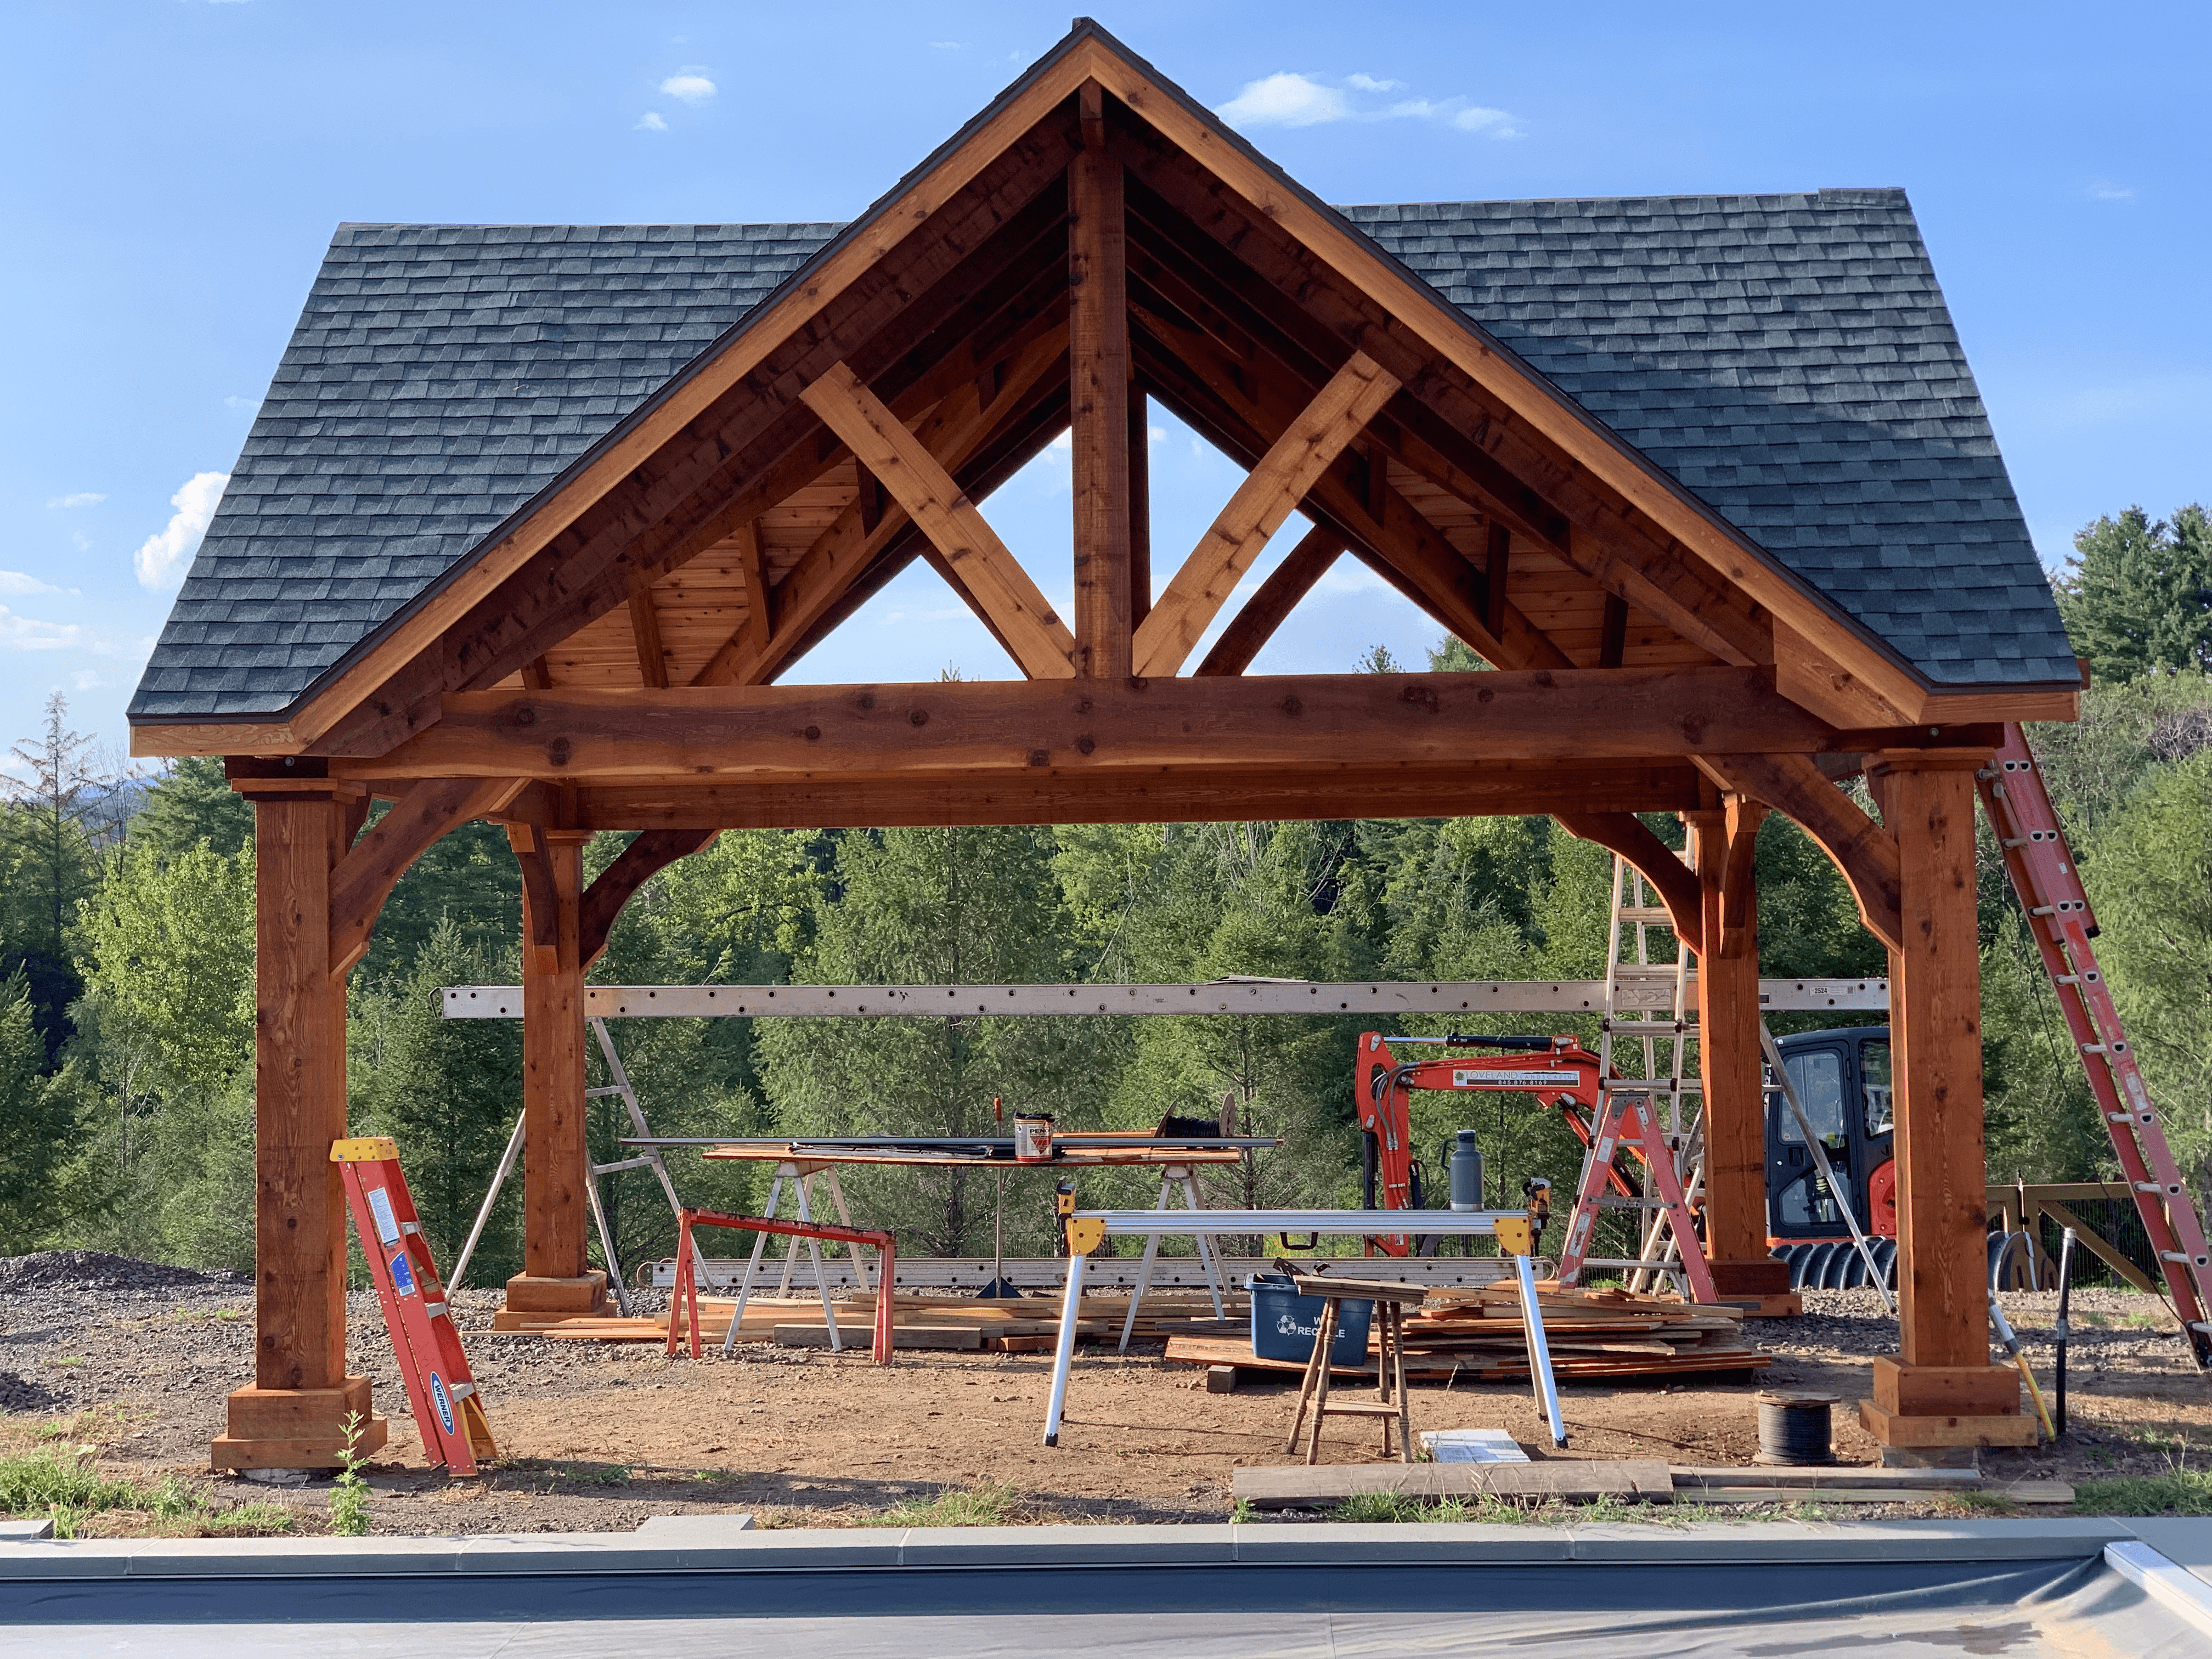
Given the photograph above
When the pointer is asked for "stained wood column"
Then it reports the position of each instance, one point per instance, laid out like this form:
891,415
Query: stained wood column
1941,1391
1729,1056
555,1280
293,1414
1098,321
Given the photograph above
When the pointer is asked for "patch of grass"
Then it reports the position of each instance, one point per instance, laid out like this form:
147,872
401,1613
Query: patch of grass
713,1477
63,1482
1242,1514
249,1520
990,1505
67,1362
1967,1505
2178,1492
556,1475
1488,1509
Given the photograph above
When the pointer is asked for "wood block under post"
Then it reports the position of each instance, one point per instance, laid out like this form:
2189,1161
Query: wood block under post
1762,1279
1893,1429
538,1294
296,1428
1946,1390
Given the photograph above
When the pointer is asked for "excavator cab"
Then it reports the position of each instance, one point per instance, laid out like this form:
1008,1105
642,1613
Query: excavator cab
1843,1079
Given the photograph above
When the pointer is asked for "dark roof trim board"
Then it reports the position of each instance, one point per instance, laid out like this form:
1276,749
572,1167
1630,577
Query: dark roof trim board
1632,312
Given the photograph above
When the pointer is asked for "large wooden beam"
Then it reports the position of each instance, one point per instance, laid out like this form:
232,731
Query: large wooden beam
1041,642
555,1276
1656,862
1049,794
1730,1065
365,877
1268,496
1255,622
1315,720
1098,320
1866,854
651,852
1942,1370
293,1414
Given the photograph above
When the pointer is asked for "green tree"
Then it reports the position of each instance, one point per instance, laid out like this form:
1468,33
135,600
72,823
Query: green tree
38,1113
189,802
2139,594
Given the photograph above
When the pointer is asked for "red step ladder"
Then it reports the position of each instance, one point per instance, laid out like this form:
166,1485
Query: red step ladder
1625,1118
2050,890
448,1412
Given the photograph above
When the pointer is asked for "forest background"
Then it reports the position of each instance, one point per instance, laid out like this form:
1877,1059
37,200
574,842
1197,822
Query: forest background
126,946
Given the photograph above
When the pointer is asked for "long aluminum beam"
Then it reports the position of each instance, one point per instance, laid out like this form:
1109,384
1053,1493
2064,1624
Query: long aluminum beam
1475,998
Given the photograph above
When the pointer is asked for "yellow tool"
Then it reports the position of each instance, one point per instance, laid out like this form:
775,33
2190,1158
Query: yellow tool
1083,1234
2020,1358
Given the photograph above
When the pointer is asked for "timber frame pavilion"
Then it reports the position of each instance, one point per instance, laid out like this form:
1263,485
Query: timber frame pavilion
534,517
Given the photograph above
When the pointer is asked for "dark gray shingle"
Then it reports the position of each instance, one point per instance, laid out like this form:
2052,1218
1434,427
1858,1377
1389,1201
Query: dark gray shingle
1788,359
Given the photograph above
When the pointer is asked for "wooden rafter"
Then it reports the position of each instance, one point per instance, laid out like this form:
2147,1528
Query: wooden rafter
1675,883
1255,622
1040,642
1099,403
1269,495
645,629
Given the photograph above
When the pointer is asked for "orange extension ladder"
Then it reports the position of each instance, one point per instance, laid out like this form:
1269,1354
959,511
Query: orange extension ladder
2050,889
448,1412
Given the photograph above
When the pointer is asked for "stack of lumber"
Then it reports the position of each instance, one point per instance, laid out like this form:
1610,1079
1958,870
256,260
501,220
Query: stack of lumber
1029,1325
1476,1335
1593,1334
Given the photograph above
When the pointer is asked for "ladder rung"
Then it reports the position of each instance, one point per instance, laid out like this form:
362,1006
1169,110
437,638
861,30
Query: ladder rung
1646,913
1613,1201
1608,1262
593,1094
460,1390
2199,1325
409,1227
436,1309
2184,1256
1644,1027
2148,1187
627,1163
1358,1408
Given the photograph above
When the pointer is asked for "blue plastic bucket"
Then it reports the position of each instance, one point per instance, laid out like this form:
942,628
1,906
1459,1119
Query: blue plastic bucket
1285,1324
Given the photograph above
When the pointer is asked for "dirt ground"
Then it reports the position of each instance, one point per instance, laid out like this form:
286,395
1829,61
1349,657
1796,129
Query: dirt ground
135,1361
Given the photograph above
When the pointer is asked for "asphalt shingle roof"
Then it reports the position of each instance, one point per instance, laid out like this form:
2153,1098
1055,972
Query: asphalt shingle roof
1788,359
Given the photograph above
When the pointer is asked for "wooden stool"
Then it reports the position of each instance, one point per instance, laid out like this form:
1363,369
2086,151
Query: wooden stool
1389,1300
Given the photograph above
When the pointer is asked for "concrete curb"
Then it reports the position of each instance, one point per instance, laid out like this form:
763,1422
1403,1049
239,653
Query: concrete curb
708,1544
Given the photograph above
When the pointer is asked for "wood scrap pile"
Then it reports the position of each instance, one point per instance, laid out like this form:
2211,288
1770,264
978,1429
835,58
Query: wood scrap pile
1029,1325
1593,1334
1476,1335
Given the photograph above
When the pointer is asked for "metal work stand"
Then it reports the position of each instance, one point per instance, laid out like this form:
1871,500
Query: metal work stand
801,1175
1184,1177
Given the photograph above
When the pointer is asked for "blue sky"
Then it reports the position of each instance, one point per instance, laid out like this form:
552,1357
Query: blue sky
174,169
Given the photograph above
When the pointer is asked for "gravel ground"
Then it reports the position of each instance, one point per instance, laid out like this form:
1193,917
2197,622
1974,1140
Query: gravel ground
136,1358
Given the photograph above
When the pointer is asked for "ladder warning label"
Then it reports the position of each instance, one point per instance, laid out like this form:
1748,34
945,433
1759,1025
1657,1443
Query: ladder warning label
402,1276
387,1225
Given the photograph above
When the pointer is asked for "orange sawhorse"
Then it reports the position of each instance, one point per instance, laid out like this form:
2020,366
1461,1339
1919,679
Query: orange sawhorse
683,1301
449,1414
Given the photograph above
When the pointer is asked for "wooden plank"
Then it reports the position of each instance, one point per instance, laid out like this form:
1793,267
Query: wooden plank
1099,322
760,611
1322,1486
1263,613
1040,642
1140,505
553,1152
1833,1476
1307,722
651,852
1271,493
955,1337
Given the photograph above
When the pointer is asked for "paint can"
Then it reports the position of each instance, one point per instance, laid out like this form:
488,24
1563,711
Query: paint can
1794,1429
1032,1138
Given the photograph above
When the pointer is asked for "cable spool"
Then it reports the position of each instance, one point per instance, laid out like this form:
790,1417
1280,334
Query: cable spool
1794,1429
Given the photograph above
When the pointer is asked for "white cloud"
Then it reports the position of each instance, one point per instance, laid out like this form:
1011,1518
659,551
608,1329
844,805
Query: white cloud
2101,191
28,634
1287,100
15,581
86,678
249,405
1158,435
1065,442
945,45
162,558
82,498
691,87
650,122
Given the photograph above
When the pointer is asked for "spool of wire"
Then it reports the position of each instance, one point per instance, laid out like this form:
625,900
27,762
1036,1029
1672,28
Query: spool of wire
1794,1428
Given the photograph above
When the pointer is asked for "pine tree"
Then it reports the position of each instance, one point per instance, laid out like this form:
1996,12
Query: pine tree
2140,594
36,1114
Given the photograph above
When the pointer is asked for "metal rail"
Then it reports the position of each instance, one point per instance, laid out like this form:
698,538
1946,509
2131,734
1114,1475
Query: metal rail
1377,998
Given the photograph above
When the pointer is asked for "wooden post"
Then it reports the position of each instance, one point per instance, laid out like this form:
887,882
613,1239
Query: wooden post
293,1414
1940,1392
1098,315
1730,1061
555,1282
